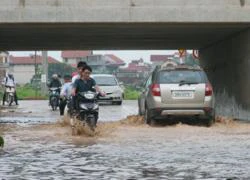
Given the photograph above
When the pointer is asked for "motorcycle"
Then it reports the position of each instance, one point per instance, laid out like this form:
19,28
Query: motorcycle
70,111
10,95
54,98
88,108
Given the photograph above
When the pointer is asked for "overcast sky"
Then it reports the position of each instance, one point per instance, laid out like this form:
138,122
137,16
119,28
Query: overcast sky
127,56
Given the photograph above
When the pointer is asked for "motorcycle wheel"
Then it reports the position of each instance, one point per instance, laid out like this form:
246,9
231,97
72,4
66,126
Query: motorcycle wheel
91,123
10,100
54,104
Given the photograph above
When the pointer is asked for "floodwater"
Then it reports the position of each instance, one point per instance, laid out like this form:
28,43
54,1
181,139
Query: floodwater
126,149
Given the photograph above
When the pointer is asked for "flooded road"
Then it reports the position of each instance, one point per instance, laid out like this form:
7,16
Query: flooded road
33,112
126,149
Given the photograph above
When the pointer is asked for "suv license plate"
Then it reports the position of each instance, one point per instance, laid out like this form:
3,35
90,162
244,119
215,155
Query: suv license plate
183,94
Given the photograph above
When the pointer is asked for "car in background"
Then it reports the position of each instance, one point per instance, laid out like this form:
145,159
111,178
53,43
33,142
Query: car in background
110,85
177,91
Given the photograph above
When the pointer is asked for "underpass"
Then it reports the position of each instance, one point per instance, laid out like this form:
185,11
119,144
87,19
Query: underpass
129,149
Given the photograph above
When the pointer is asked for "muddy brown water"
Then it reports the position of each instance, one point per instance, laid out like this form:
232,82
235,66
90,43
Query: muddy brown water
127,149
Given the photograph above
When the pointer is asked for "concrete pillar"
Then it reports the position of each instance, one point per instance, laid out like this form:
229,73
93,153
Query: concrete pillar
227,63
44,79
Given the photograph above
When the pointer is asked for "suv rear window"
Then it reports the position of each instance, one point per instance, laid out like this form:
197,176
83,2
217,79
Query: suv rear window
178,76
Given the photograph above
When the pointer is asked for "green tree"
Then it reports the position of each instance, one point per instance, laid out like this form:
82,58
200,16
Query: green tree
60,69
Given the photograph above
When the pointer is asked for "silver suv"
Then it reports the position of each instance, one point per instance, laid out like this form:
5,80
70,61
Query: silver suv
177,91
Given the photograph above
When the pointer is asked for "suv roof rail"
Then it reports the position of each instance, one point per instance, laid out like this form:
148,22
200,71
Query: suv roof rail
171,65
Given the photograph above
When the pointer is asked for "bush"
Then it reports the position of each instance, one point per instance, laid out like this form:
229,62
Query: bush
131,94
28,92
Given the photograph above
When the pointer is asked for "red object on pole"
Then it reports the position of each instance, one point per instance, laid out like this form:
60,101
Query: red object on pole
196,54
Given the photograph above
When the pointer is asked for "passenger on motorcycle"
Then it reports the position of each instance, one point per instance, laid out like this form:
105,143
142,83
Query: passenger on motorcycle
84,84
9,82
65,94
80,65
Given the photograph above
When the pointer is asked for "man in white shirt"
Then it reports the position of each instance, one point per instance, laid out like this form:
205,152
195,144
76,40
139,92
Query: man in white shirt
65,93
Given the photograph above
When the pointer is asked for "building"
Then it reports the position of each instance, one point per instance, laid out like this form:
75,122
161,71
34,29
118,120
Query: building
4,64
73,57
135,74
23,68
160,59
100,64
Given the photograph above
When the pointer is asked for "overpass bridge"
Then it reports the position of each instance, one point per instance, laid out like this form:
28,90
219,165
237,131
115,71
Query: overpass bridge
219,29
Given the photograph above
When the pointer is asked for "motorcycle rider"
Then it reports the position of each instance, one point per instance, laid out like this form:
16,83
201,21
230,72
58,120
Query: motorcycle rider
55,83
9,82
85,83
80,65
65,93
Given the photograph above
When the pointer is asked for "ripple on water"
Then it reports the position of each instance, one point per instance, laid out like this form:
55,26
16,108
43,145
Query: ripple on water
127,150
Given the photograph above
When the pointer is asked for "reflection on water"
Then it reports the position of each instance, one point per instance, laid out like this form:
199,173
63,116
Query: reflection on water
127,150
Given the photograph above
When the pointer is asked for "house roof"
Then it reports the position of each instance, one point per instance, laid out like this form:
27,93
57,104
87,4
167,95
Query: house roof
157,58
115,60
135,68
29,60
75,54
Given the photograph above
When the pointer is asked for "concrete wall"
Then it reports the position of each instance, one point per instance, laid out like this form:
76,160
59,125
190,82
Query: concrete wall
124,11
22,73
228,66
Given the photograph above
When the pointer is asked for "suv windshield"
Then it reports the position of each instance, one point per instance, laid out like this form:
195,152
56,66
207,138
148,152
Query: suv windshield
105,80
181,77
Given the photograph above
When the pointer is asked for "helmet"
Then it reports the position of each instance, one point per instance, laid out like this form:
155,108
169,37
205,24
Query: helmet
10,75
54,76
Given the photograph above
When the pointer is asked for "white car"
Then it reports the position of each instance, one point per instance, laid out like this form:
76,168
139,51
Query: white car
110,85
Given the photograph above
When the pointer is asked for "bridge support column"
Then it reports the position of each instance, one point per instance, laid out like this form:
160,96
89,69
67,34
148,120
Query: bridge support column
227,63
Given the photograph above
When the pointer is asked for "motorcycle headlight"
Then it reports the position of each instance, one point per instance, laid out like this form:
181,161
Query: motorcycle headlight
89,96
96,106
83,106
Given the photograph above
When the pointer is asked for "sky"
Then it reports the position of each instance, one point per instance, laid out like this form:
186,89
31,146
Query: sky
127,55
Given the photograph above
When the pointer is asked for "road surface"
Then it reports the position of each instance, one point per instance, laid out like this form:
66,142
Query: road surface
38,146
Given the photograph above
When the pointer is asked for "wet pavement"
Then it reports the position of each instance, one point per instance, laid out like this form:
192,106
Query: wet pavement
33,112
126,149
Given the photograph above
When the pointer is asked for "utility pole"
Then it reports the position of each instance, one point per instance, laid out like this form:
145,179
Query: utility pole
35,73
44,77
